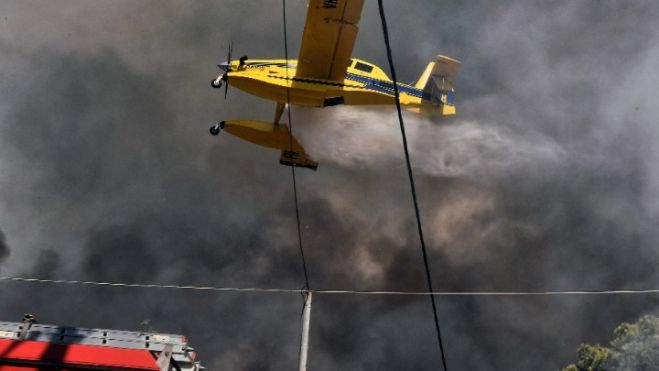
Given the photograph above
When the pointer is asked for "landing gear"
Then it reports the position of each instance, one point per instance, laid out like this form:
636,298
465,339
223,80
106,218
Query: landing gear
216,83
279,111
215,129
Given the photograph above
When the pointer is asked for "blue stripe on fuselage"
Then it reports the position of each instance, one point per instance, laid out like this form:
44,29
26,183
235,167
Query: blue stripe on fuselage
385,86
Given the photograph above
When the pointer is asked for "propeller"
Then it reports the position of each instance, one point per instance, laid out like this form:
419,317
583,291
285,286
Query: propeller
226,67
226,86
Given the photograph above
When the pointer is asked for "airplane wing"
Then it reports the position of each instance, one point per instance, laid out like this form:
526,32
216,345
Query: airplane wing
329,37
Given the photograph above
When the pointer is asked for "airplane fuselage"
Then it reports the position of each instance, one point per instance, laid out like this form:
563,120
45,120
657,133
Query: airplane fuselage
364,84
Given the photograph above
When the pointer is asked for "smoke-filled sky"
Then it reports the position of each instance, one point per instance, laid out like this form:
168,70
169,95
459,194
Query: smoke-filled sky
547,180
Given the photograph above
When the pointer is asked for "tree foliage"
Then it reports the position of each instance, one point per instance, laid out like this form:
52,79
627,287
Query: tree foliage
635,347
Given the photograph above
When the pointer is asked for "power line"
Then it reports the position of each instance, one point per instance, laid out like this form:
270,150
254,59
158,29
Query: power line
145,285
290,141
327,292
490,293
411,178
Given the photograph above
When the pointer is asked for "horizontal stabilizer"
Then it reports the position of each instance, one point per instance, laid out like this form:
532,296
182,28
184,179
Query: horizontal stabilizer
436,81
446,67
443,67
439,84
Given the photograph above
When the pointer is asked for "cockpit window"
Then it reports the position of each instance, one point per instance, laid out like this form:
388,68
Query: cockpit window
363,67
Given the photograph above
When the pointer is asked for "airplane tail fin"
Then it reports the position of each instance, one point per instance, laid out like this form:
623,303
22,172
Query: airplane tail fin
436,81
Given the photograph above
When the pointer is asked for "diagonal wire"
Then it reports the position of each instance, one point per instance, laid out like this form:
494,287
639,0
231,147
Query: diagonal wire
290,143
302,354
411,177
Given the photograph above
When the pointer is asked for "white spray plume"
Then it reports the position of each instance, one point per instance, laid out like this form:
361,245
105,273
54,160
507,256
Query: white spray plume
360,137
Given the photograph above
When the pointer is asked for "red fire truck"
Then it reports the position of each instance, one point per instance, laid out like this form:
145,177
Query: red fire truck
28,346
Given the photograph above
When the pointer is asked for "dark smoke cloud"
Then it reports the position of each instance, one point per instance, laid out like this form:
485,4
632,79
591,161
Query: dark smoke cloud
4,248
546,181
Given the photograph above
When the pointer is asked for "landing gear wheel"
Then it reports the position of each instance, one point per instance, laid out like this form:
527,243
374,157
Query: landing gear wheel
215,129
216,84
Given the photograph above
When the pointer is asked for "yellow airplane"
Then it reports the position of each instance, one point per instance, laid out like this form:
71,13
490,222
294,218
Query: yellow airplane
325,74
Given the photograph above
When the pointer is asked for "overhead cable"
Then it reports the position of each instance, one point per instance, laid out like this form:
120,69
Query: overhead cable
290,141
412,187
328,292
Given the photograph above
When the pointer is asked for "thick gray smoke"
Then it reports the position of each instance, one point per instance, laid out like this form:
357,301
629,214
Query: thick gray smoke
4,248
545,181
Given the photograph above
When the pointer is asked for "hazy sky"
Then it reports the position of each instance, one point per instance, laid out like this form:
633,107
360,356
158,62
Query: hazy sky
547,180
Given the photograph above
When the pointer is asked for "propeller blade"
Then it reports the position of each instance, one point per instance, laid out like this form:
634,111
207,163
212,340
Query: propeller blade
226,83
230,52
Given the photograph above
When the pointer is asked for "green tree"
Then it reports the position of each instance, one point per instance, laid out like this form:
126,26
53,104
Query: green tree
635,347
